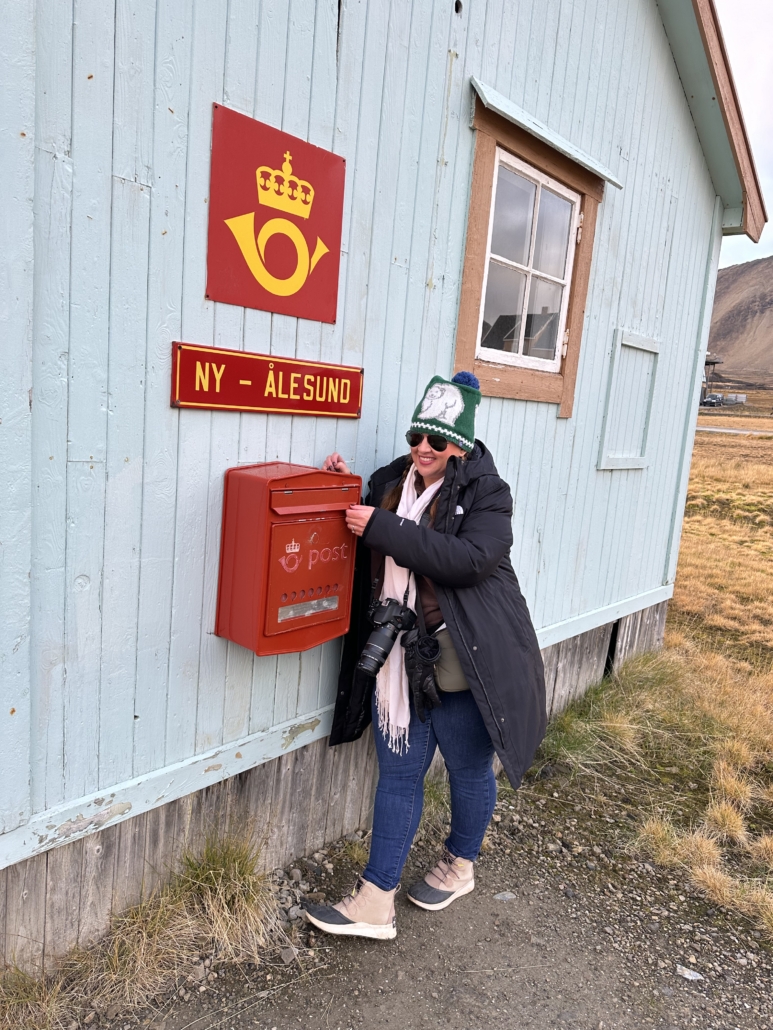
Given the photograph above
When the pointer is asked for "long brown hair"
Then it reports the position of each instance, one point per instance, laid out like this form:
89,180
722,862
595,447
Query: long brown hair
391,499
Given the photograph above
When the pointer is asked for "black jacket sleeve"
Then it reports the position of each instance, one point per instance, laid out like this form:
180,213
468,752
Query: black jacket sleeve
472,555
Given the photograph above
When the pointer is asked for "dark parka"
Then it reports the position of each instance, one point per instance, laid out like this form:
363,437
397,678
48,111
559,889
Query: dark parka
466,555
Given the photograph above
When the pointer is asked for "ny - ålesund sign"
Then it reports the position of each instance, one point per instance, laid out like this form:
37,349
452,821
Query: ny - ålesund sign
234,380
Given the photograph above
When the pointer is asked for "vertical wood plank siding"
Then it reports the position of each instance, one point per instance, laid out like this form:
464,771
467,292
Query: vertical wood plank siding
17,181
127,676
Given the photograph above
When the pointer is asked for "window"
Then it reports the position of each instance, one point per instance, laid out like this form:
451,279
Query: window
527,261
532,230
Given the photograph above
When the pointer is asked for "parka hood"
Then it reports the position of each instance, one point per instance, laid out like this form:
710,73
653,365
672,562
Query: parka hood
479,463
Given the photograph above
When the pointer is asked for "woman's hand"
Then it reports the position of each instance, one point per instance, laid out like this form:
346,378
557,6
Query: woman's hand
335,463
357,517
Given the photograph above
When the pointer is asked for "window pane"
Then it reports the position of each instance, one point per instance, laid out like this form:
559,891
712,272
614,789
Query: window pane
541,333
503,308
513,212
552,234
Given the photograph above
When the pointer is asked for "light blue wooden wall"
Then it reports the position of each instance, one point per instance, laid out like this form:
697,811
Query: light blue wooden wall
128,681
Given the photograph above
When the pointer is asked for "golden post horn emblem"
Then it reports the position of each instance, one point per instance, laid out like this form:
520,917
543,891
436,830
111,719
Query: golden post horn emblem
283,191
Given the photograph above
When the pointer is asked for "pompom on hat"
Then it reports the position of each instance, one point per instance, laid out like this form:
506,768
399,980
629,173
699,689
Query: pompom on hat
447,408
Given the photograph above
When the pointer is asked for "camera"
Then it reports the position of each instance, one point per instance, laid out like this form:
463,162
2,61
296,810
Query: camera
388,618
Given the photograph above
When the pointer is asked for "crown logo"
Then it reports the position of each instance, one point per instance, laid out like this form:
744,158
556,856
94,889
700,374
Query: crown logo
283,190
292,547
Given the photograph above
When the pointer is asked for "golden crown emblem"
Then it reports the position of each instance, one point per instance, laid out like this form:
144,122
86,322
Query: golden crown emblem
283,190
292,547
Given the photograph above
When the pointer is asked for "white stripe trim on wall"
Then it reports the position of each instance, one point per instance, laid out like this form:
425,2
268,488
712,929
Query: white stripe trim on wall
601,616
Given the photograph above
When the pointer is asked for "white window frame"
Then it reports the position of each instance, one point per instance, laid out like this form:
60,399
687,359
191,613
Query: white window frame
540,179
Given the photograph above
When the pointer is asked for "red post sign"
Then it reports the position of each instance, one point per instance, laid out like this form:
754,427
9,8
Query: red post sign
212,377
275,214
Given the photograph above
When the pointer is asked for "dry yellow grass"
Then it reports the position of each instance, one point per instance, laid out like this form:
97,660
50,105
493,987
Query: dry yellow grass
725,582
621,729
27,1003
724,585
731,461
716,885
696,850
722,612
356,851
732,786
725,822
227,896
702,710
722,420
140,958
658,839
761,850
758,904
759,401
218,903
665,845
735,753
739,701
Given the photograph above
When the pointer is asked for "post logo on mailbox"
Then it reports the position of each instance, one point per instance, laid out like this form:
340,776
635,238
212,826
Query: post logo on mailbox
293,559
275,215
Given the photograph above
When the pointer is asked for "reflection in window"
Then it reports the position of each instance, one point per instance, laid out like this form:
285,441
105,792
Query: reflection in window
528,265
511,232
555,214
504,306
541,332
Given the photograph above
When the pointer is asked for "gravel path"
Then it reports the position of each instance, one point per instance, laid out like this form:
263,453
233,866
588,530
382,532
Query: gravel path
564,929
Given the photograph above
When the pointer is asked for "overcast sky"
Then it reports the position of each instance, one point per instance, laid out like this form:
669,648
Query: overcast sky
747,26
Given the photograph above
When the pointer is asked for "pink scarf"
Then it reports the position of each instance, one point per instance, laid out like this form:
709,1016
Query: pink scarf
392,689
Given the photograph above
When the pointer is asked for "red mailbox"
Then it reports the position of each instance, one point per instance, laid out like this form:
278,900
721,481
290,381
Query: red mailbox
286,557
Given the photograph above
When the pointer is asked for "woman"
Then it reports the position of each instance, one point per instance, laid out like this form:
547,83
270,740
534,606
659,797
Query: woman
437,523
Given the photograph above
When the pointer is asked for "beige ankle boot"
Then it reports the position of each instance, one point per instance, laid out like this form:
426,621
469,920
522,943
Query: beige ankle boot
448,880
366,912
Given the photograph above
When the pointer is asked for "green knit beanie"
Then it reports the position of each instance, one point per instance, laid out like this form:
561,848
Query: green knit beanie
447,407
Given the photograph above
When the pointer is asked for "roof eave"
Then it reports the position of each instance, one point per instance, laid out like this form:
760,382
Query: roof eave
701,58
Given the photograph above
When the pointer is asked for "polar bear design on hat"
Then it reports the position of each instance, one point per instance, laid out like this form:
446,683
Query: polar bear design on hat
443,402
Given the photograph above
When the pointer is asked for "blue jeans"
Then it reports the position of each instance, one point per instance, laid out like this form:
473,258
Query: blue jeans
458,730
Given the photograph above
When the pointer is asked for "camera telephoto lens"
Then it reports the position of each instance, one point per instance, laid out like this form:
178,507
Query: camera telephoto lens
376,650
388,618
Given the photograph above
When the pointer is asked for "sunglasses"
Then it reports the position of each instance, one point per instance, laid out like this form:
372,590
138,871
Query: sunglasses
437,443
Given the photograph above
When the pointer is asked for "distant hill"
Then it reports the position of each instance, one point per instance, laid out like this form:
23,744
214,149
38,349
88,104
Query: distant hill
742,321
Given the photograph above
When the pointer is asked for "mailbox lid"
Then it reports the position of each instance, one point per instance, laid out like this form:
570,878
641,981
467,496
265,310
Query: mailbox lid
310,572
330,497
281,476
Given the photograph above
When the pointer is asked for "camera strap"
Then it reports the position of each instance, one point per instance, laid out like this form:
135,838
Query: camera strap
378,580
424,521
419,609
